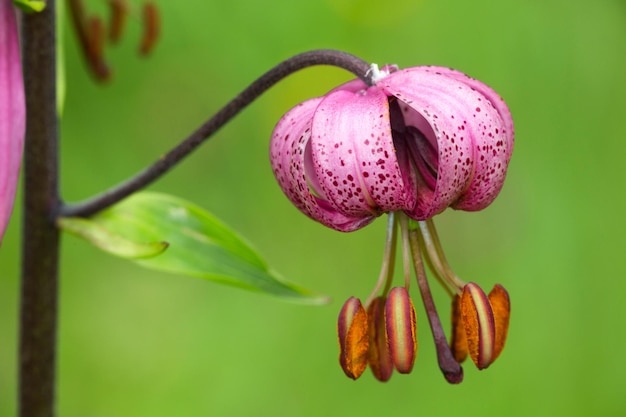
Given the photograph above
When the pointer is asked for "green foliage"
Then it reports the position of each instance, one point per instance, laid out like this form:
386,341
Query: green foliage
30,6
103,238
199,244
154,346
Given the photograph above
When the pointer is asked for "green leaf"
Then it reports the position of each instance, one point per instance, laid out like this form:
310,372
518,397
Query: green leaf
30,6
110,242
199,245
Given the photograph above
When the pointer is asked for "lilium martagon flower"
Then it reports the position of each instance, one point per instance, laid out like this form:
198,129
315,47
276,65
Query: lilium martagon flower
415,142
12,111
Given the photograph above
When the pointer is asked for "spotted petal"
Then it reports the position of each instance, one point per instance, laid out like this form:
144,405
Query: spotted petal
494,154
354,156
290,157
466,129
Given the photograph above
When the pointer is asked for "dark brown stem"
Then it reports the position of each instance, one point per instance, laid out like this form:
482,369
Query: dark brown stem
39,286
319,57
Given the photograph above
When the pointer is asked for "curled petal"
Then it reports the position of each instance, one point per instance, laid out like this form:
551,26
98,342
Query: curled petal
494,98
400,320
12,111
379,357
494,153
353,338
428,103
354,156
291,159
287,147
469,134
501,306
479,325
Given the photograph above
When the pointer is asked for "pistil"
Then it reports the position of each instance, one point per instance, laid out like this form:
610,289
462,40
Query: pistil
452,371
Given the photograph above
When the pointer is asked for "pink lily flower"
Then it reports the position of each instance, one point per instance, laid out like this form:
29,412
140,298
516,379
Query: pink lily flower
420,140
415,142
12,111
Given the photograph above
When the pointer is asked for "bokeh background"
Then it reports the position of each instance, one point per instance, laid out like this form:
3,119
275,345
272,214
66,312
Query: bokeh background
134,342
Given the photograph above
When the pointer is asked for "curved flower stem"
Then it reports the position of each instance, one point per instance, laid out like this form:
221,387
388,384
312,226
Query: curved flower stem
40,239
184,148
452,371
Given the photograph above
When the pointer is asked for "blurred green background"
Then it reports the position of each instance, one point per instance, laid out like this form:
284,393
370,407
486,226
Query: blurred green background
134,342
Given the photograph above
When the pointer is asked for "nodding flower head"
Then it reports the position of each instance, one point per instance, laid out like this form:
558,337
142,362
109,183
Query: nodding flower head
420,140
12,111
411,144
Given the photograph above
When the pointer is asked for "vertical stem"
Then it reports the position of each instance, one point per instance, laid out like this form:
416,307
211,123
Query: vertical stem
39,288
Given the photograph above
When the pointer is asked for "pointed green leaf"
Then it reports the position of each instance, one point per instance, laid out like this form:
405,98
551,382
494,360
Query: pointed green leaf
108,241
200,245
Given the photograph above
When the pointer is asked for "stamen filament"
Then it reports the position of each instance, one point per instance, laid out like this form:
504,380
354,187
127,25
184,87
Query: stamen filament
434,265
389,256
406,250
452,371
436,255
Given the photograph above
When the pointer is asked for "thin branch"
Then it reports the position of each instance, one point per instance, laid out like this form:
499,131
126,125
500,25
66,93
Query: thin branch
40,239
184,148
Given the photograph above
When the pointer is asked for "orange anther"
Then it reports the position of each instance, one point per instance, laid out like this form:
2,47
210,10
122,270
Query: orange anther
353,338
151,28
400,321
95,32
479,325
117,22
501,306
458,341
379,357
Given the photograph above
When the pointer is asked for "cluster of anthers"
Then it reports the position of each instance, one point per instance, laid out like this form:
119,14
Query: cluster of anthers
410,143
93,33
383,332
